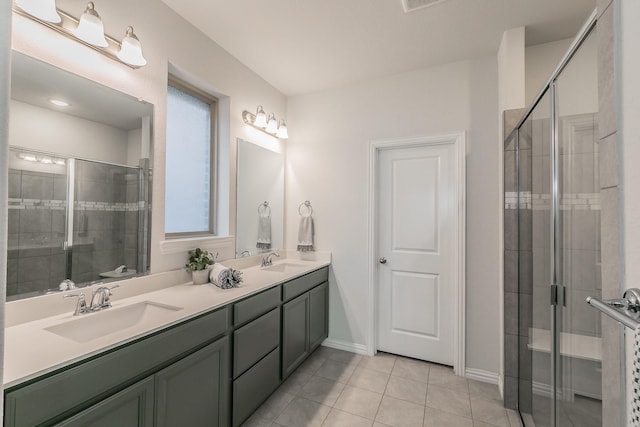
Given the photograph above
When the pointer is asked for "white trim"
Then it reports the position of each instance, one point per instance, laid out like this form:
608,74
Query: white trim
481,375
176,246
459,141
346,346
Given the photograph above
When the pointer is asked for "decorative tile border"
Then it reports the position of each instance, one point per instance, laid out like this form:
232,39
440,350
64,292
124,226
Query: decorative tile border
37,204
569,201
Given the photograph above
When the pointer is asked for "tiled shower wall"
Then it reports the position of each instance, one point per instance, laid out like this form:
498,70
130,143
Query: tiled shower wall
36,231
105,220
105,225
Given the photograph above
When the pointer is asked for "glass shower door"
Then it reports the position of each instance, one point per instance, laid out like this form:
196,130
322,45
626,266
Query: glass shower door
105,221
579,371
536,320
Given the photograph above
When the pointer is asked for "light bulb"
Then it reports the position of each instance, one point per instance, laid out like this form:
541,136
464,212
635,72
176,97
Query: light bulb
261,118
41,9
282,130
131,50
90,29
272,124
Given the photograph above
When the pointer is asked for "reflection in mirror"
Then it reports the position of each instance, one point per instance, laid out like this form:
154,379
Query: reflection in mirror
79,181
260,180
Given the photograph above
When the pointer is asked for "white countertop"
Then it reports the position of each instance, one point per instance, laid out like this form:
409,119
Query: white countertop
31,350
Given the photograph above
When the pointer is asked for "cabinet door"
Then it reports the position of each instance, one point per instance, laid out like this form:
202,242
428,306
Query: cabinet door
194,391
295,333
132,407
318,315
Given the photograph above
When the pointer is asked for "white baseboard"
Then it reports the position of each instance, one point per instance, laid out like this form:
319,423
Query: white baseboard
480,375
346,346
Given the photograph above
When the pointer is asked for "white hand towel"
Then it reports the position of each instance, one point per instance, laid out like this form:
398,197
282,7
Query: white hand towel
224,277
634,415
264,232
306,234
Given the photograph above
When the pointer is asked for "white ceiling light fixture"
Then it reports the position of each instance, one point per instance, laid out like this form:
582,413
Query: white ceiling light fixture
91,29
272,127
88,29
42,9
59,102
131,49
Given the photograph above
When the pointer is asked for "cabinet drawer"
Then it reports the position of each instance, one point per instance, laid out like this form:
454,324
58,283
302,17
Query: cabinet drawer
254,386
252,341
302,284
85,384
256,305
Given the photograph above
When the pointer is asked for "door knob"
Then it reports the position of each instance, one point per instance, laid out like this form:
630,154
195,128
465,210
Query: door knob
382,260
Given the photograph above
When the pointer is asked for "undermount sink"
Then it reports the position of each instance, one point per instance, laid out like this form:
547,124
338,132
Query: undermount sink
285,267
90,326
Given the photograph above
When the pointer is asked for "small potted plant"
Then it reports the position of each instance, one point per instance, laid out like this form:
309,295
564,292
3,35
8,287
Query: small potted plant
199,262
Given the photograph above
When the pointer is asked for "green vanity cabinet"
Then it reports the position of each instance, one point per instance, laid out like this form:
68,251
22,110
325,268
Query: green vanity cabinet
91,384
318,315
256,352
194,391
304,318
131,407
215,369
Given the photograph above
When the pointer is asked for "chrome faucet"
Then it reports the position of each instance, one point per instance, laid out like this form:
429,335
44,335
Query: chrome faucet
101,298
81,306
266,260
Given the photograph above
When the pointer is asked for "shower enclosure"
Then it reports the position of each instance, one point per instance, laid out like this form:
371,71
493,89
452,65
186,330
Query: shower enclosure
73,219
552,249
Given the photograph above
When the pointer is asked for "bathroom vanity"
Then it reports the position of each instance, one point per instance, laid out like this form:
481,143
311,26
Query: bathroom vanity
200,356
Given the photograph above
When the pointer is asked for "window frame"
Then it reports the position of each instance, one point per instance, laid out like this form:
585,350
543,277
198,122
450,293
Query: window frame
203,96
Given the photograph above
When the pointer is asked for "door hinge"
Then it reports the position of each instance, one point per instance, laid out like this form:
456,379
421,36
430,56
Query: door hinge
558,295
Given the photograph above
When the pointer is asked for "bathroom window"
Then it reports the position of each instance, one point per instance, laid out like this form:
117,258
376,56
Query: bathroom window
190,161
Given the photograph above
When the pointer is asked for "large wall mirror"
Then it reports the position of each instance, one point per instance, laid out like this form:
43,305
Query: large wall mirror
79,181
260,199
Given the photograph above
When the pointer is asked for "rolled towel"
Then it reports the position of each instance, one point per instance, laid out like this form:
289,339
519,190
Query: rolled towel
306,234
225,277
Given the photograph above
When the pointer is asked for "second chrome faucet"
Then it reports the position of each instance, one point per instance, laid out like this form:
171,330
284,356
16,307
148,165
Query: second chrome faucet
100,299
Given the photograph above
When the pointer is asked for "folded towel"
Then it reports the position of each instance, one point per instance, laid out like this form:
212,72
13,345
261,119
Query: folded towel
224,277
264,232
306,234
634,410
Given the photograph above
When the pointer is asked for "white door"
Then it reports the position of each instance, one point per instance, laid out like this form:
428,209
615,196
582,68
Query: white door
417,224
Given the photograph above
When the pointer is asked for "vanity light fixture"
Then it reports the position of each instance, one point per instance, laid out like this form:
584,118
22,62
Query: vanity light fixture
271,127
91,28
88,30
41,9
28,157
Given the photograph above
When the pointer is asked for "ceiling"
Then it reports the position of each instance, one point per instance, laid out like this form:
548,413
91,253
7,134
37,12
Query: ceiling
302,46
35,82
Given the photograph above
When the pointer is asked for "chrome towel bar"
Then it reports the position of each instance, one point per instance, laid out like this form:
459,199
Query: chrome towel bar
625,310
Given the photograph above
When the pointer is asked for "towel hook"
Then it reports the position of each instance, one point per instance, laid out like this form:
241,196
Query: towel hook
306,204
264,207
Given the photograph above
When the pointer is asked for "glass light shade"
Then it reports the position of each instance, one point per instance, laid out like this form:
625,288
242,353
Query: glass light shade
131,50
272,124
90,29
41,9
282,130
261,118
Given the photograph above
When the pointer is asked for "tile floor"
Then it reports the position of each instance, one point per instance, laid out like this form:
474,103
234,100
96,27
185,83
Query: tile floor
338,388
